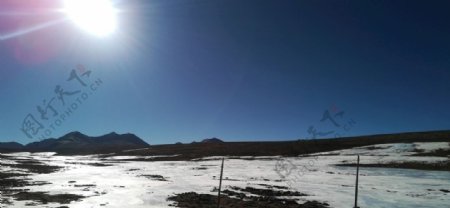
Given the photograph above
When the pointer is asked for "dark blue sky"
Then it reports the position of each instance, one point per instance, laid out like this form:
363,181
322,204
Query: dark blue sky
238,70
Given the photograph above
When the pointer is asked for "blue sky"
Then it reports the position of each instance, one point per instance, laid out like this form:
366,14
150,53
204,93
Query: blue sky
236,70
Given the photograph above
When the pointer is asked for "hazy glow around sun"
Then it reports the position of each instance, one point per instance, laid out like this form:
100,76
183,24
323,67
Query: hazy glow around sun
97,17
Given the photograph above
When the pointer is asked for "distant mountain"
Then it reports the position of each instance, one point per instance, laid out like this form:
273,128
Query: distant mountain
11,147
78,143
212,140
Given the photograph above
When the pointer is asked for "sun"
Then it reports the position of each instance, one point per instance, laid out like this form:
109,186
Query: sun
97,17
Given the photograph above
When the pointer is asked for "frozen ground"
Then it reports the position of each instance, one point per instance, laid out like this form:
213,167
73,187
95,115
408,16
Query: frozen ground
132,184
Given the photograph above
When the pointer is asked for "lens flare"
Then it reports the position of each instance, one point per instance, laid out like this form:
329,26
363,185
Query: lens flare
97,17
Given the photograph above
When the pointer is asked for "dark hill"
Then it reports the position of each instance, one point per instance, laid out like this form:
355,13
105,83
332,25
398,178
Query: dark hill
212,140
11,147
78,143
285,148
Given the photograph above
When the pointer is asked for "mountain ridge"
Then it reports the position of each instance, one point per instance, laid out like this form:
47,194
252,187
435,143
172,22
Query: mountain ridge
78,143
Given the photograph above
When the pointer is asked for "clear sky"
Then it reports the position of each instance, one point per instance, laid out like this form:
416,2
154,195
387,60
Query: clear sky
184,70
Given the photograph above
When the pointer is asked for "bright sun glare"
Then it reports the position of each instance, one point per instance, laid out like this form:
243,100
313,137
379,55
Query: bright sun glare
97,17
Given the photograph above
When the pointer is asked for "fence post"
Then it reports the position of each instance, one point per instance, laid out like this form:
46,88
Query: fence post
356,185
220,184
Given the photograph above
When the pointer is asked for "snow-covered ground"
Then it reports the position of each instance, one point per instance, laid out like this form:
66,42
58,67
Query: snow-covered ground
123,185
